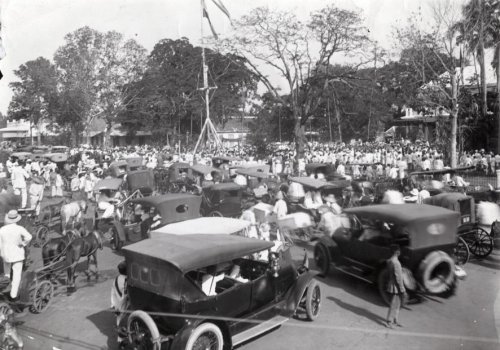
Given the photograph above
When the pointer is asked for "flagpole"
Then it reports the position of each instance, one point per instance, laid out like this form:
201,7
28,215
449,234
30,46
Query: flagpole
208,125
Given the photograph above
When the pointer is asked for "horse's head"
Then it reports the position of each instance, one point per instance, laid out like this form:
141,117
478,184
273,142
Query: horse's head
83,206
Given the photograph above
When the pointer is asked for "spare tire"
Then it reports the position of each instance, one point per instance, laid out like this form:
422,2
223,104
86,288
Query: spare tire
437,272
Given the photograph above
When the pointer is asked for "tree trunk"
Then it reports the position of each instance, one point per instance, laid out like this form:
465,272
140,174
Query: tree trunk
74,136
484,106
498,97
299,131
39,133
454,119
107,136
337,117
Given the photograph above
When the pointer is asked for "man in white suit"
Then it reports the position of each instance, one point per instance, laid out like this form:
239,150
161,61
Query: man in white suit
13,239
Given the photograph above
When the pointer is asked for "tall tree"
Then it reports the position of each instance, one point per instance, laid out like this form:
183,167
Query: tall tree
94,69
423,46
277,41
167,98
34,93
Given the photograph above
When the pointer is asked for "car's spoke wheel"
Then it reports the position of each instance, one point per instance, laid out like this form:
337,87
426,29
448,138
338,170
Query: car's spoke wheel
322,258
461,252
313,300
206,336
143,333
479,241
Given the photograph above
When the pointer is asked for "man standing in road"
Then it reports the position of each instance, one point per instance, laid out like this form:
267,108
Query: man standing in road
395,287
120,302
19,176
13,239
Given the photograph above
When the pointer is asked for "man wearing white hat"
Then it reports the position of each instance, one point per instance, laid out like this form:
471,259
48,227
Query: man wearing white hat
13,239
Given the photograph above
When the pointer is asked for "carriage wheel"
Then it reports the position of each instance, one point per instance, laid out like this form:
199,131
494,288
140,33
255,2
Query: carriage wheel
41,236
461,252
215,214
479,242
42,295
143,333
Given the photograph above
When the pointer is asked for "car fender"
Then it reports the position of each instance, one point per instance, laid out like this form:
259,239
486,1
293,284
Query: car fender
294,294
182,336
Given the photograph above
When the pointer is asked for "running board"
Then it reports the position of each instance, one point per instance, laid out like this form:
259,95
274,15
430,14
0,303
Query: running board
253,332
343,270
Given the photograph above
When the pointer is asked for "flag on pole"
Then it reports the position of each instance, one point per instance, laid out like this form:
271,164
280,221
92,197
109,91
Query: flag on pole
205,14
221,7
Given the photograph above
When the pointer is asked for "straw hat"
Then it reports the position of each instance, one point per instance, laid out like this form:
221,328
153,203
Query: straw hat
414,192
12,217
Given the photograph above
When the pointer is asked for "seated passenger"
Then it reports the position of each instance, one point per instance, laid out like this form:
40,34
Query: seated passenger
330,222
107,203
209,280
236,274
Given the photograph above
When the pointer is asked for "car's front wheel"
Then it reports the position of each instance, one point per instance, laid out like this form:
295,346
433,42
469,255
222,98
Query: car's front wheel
322,258
313,301
206,336
142,331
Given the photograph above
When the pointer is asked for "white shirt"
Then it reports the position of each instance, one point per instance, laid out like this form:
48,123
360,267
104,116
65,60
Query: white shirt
280,208
19,176
13,238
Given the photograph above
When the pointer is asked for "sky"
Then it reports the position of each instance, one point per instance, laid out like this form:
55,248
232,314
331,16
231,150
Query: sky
34,28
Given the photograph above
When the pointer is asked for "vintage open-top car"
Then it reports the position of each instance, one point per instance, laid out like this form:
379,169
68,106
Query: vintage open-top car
207,292
141,180
140,214
222,199
426,234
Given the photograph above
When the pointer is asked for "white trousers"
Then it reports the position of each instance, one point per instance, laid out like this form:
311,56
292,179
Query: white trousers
17,270
24,195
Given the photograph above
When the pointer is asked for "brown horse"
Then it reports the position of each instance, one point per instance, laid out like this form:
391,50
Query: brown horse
86,246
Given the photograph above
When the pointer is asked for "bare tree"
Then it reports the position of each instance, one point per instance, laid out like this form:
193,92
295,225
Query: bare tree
434,54
277,42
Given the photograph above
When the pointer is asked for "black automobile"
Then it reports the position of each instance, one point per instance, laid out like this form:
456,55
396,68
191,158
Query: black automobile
426,234
212,291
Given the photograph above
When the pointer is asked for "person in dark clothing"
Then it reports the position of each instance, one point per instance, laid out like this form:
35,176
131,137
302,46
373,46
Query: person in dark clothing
395,287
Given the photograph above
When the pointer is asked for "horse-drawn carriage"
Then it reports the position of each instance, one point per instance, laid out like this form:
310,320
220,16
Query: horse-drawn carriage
215,278
471,237
222,199
139,215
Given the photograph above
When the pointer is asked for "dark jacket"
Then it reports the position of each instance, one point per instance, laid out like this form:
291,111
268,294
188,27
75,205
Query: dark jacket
395,284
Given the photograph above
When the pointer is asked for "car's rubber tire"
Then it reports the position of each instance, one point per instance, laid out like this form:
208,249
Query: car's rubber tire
198,338
436,272
150,336
313,300
322,258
